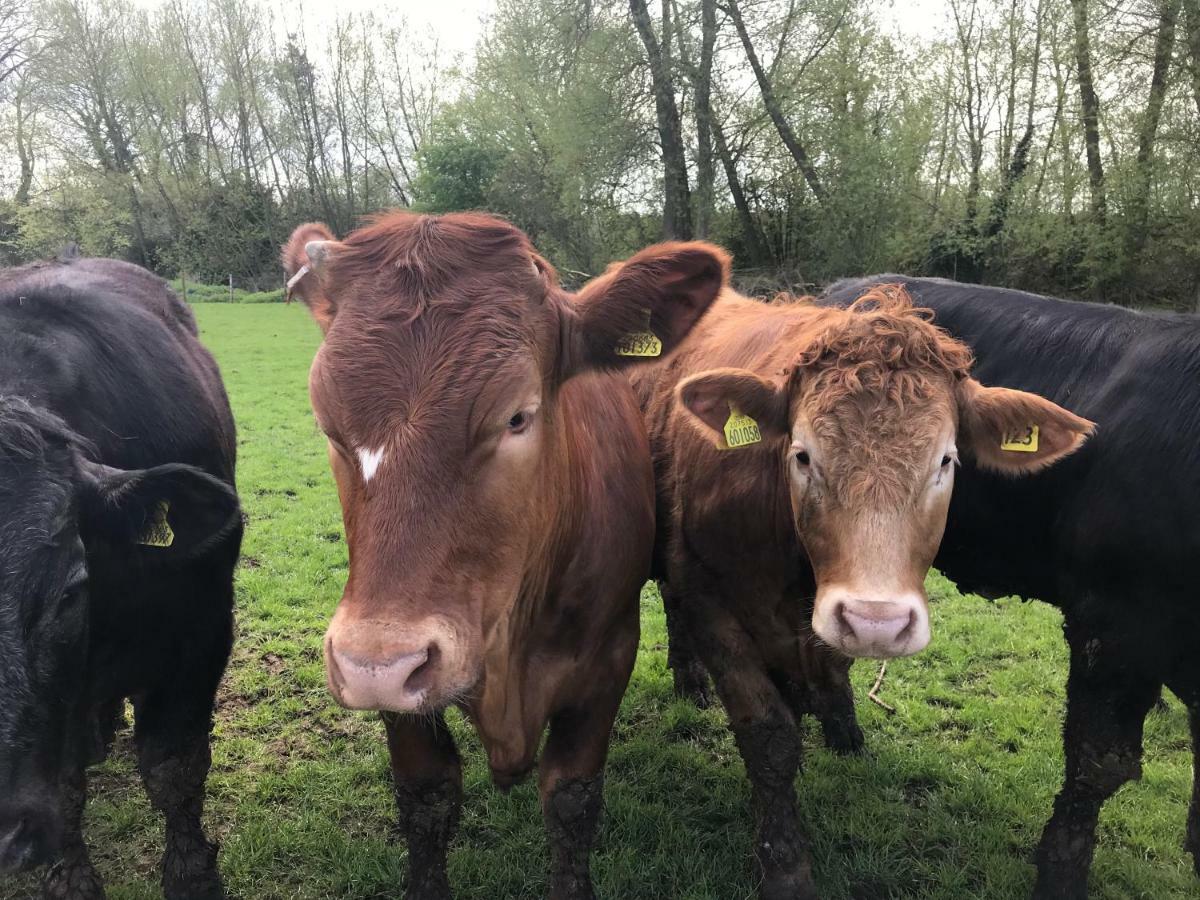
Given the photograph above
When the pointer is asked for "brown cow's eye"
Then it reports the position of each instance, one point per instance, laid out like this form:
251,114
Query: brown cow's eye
518,423
802,458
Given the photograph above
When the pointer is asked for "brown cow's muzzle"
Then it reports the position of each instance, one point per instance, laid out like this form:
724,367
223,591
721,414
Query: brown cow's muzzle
860,624
399,667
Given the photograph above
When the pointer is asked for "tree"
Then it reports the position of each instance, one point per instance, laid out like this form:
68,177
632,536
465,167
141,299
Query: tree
1090,104
677,218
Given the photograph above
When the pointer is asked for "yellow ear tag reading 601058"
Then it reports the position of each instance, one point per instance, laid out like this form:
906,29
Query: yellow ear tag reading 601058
158,532
1021,441
640,343
740,430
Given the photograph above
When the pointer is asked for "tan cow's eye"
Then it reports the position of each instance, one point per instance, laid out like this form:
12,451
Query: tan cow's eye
946,460
802,457
519,422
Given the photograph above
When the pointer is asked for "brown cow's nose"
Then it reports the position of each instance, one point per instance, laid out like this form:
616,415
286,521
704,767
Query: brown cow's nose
399,682
878,622
880,628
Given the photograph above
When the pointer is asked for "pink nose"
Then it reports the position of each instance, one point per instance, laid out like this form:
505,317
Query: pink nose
881,628
399,683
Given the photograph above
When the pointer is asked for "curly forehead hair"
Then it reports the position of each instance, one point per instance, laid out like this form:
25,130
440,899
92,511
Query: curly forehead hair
881,344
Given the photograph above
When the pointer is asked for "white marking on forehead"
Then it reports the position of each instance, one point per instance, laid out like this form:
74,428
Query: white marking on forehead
369,460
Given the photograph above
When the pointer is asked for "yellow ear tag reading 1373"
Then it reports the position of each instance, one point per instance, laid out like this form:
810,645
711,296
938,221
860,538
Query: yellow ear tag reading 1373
740,430
158,532
639,343
1021,441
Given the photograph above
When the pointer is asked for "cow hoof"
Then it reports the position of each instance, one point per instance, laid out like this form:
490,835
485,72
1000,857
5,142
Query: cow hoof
207,889
435,888
843,736
572,890
78,881
792,886
1047,889
691,683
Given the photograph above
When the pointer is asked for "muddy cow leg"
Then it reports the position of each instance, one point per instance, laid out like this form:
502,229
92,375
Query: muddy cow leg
832,697
171,733
427,780
1107,702
765,731
73,877
690,677
571,776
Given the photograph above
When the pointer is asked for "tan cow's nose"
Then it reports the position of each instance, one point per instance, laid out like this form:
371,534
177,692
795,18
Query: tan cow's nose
878,628
398,681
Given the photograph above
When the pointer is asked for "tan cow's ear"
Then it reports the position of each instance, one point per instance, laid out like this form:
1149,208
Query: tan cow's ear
1016,432
641,309
735,408
304,258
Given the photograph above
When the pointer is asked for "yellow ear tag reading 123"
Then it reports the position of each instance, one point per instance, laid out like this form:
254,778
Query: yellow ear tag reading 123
740,429
1022,441
158,533
640,343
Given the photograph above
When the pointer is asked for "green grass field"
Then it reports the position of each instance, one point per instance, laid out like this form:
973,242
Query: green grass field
948,802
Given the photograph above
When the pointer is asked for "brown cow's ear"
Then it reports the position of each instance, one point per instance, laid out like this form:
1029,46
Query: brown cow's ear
1015,432
735,408
304,257
643,308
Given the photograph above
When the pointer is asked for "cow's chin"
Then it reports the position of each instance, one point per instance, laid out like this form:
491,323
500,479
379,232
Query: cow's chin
861,625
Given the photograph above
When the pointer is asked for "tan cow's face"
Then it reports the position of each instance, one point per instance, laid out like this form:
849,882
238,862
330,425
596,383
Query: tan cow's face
868,427
446,342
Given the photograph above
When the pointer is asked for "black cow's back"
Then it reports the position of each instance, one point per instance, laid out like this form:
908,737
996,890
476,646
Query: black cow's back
112,349
1123,514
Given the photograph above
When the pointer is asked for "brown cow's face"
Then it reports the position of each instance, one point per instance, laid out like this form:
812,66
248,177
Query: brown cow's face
870,486
868,426
447,341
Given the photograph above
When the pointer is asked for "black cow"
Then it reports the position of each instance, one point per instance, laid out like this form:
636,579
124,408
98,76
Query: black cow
119,532
1111,535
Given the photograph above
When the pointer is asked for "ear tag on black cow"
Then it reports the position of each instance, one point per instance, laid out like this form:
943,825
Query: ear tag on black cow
1021,441
158,533
640,343
740,430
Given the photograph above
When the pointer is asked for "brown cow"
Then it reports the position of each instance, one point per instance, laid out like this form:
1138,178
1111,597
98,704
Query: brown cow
804,452
498,500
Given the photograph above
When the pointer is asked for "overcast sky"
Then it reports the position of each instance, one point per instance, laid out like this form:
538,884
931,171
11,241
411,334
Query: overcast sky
457,23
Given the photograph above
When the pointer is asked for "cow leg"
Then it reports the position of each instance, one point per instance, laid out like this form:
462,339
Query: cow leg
571,783
427,782
690,677
174,755
73,877
1107,703
766,735
833,699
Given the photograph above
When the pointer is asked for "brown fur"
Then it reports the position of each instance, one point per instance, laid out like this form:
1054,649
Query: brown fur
522,552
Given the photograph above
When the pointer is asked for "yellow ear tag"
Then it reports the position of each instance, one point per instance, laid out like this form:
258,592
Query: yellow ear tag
639,343
1022,441
158,533
740,430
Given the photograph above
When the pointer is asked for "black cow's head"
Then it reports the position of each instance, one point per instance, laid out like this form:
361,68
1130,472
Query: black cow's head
62,516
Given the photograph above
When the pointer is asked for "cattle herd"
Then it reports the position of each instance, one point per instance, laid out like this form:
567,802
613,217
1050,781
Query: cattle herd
514,461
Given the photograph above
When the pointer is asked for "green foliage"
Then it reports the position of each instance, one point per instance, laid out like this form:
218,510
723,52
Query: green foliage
455,171
219,293
227,230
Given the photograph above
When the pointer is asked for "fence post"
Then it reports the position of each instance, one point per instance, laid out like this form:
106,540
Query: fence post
230,287
183,284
